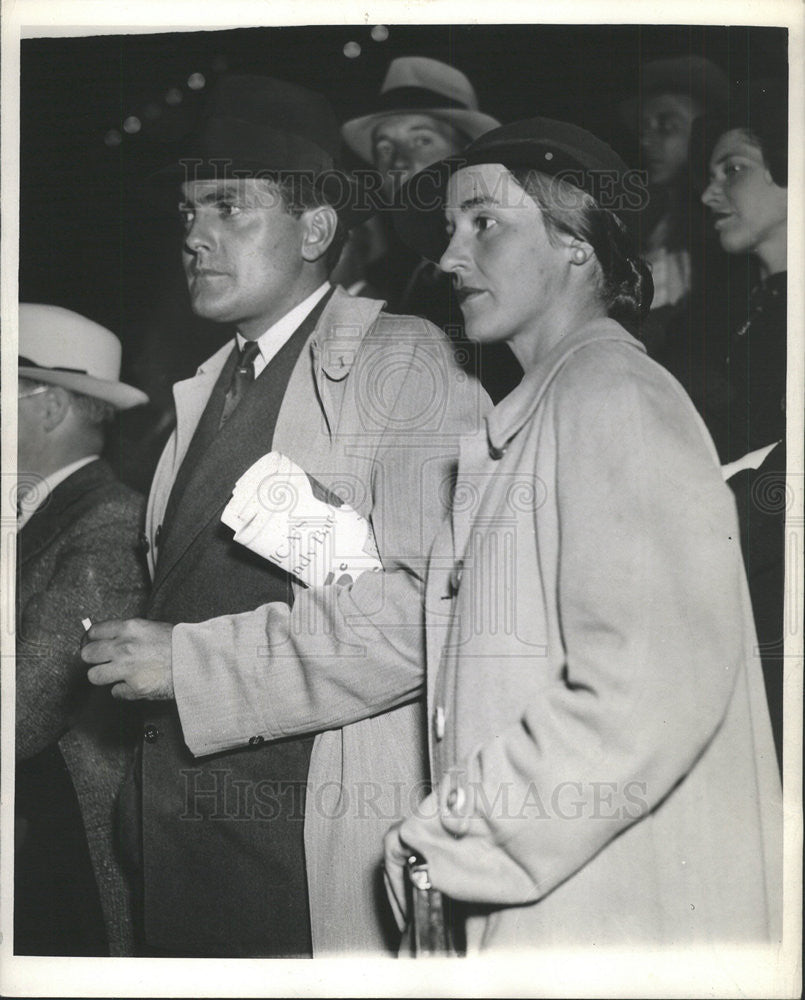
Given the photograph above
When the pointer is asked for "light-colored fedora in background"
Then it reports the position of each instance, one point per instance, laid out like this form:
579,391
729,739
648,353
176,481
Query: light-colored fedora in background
60,347
417,85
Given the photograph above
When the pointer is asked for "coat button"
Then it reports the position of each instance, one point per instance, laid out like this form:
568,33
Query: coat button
255,741
438,723
456,798
150,734
158,535
455,576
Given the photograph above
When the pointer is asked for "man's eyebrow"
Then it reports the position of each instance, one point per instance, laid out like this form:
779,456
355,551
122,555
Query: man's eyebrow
222,193
479,199
379,132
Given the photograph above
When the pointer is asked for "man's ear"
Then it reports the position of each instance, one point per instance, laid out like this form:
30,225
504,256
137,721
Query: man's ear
319,231
56,405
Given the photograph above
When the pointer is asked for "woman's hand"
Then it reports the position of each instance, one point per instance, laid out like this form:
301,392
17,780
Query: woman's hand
397,853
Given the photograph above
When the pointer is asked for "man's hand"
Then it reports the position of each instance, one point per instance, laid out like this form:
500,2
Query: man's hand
132,655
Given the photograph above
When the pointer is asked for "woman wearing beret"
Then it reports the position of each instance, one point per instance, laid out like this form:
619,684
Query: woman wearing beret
601,753
747,195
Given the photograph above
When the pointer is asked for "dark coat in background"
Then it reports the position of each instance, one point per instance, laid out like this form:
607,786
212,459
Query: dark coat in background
77,557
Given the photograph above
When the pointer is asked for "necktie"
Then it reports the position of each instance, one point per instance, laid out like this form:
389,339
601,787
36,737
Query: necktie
242,377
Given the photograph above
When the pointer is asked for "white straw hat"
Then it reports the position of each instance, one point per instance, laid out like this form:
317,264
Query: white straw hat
59,347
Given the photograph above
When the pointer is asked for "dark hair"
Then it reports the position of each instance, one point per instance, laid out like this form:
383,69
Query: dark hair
299,194
761,113
625,283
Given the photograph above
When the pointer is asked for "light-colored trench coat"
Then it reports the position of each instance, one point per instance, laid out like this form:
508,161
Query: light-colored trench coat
374,409
598,724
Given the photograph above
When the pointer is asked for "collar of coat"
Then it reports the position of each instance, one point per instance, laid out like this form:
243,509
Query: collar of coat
338,333
516,409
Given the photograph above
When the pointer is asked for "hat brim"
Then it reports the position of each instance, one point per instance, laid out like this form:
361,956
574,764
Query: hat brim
120,395
354,196
357,133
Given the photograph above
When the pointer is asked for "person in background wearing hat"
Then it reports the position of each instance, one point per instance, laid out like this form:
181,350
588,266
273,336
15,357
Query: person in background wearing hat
744,405
673,94
601,750
426,111
252,847
77,558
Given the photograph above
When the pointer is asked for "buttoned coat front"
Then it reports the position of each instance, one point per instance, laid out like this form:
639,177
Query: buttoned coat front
599,732
374,410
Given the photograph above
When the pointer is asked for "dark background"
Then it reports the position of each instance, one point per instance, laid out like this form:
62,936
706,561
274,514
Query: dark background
90,242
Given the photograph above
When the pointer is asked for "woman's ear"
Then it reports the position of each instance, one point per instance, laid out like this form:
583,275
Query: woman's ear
320,224
580,252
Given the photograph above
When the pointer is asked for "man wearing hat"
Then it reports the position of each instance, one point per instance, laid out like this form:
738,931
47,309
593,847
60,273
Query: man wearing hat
426,110
77,558
269,844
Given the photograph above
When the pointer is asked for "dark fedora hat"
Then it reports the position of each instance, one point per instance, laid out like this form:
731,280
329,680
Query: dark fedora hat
557,149
258,126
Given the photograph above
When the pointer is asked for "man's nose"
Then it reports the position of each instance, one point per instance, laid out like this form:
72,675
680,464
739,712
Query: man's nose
402,157
199,235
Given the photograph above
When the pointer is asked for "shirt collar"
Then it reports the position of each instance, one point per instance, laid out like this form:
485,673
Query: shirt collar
275,336
32,499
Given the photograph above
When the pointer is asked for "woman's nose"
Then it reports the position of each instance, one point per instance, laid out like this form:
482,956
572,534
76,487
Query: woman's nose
711,194
454,257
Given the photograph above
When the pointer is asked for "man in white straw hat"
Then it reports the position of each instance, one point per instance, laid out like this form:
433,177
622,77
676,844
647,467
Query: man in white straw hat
426,111
77,558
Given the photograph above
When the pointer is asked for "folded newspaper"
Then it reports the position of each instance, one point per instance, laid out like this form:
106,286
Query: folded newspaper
280,512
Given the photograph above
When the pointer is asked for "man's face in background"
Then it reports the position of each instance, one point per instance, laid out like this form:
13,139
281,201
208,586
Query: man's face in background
404,144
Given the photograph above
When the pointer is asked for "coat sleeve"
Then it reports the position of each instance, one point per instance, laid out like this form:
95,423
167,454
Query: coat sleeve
98,574
649,603
341,654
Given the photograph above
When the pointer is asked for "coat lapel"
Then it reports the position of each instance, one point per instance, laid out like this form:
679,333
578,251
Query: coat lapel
190,396
48,521
244,438
241,441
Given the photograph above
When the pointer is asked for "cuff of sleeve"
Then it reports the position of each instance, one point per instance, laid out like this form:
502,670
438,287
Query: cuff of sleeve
214,714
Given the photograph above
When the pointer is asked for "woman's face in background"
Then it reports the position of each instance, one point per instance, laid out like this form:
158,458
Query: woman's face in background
507,273
665,124
750,210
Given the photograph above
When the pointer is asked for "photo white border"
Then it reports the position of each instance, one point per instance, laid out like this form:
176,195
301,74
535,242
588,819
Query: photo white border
722,971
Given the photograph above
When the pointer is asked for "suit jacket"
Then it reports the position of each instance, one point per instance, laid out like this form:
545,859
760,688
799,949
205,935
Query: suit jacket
78,556
599,730
373,410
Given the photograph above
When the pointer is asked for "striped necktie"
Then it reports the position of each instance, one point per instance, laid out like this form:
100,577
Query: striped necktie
242,377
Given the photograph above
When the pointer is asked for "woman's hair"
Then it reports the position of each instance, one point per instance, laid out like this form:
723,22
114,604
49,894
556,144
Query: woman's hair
761,113
625,284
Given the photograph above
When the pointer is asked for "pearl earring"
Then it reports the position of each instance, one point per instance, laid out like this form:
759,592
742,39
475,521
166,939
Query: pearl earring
578,255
